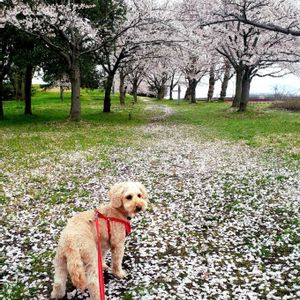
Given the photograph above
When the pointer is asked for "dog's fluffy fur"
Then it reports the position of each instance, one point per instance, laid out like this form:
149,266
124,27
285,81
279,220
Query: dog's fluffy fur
77,248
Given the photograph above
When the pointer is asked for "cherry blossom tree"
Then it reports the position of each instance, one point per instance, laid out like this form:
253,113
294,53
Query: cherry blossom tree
132,75
248,49
147,24
174,80
198,66
68,30
215,72
20,55
278,16
137,72
197,54
165,60
282,16
158,67
158,77
227,75
6,59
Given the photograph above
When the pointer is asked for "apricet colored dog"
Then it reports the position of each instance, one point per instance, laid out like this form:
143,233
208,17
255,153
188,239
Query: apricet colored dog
77,247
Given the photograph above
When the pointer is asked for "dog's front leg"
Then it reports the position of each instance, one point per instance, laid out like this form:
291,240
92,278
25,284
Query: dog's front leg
117,252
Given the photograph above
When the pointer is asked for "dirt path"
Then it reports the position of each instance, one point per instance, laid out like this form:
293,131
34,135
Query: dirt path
163,111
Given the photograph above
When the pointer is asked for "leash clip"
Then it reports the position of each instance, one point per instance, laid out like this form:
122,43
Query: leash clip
97,214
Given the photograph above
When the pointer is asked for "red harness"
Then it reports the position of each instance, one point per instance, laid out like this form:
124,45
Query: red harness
100,270
108,219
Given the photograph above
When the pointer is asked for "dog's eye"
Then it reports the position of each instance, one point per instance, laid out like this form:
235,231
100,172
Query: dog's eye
139,195
129,197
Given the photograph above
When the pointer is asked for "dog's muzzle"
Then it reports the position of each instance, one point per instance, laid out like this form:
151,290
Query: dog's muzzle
138,208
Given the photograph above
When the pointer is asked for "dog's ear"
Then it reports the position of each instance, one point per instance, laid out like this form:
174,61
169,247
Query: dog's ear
115,194
143,191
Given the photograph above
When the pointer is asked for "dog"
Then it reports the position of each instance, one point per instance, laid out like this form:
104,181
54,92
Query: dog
77,247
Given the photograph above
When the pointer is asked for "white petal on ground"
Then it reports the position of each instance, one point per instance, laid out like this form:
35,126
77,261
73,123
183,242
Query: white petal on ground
223,221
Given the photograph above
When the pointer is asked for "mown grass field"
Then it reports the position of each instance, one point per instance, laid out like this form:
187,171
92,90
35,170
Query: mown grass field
224,213
49,128
259,126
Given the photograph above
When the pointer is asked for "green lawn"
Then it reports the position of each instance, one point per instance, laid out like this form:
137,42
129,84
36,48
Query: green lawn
259,126
49,128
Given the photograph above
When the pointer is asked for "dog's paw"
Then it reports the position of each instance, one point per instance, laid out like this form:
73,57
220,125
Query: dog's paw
105,267
120,274
58,291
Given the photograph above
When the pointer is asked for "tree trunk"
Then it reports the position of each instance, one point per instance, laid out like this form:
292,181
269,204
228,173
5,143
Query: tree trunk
171,93
187,95
225,82
245,90
193,86
27,89
134,89
18,84
171,87
161,92
75,92
23,86
61,94
122,87
238,88
108,88
1,100
212,81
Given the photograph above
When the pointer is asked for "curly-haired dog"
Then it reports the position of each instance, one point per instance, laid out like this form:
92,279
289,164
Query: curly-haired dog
77,248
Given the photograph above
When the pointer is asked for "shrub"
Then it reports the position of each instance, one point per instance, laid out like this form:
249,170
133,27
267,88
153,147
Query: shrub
8,91
34,89
293,104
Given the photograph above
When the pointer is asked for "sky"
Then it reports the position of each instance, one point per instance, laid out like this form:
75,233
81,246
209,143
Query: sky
288,84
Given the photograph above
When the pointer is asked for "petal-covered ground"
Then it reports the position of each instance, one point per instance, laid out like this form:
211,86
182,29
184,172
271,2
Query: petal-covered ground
224,219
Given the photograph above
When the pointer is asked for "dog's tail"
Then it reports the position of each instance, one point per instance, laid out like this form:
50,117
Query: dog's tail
75,266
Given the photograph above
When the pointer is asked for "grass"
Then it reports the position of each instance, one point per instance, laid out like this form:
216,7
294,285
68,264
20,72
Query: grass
17,291
48,129
47,107
259,126
237,208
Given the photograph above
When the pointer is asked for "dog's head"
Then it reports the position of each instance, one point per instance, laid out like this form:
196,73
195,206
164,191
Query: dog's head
131,196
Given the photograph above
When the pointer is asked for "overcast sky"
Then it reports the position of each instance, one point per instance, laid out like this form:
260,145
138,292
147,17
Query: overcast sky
287,84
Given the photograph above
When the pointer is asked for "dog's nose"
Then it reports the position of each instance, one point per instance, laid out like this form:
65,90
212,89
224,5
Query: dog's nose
138,208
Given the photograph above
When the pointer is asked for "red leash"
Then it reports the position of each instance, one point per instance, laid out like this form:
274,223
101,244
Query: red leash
100,269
